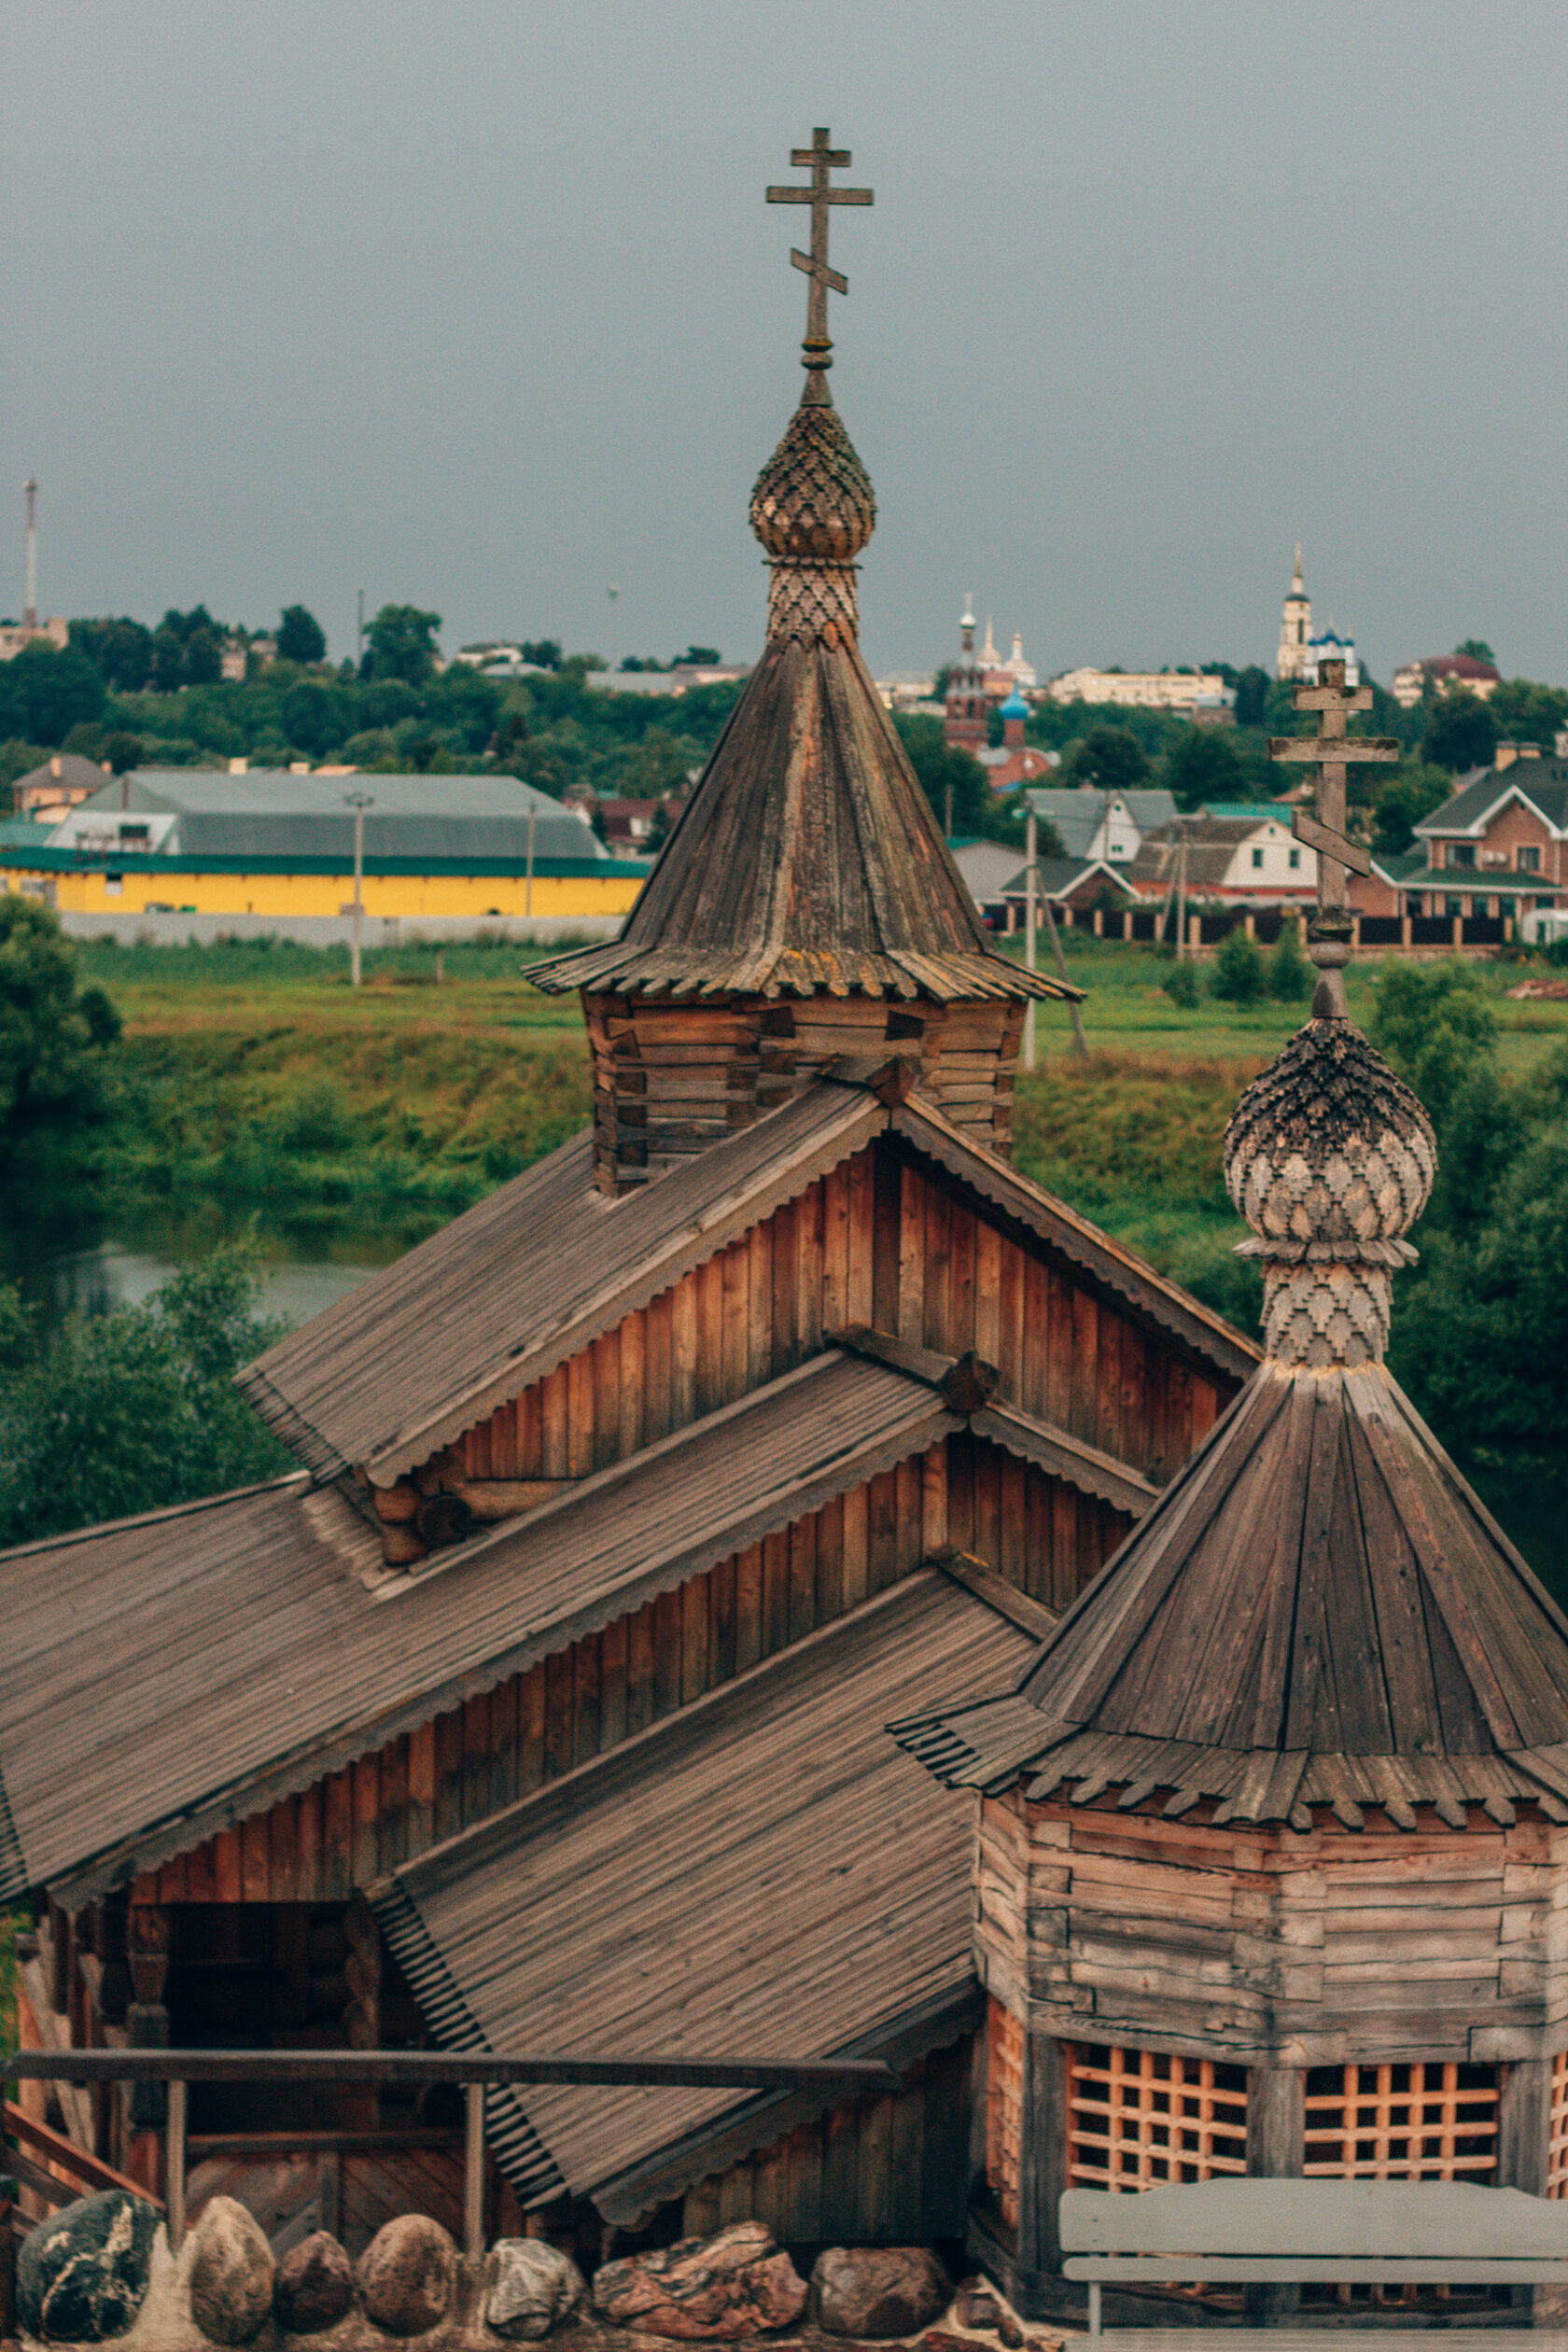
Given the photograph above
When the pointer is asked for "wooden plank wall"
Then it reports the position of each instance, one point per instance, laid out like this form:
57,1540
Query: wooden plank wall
875,1241
888,2171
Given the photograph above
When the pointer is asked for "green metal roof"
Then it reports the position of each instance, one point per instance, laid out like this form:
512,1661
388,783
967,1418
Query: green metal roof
272,813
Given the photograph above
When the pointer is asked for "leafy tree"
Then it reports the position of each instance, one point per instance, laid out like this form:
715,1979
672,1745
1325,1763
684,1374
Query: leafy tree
1409,792
52,1033
133,1410
1251,691
402,644
1526,712
1179,985
544,652
698,657
45,691
1290,974
203,665
1478,651
1237,976
1204,766
119,651
121,753
17,758
1460,734
300,637
168,660
1110,757
1436,1023
313,716
945,770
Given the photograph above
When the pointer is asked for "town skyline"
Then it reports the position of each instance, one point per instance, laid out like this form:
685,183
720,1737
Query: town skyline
1071,356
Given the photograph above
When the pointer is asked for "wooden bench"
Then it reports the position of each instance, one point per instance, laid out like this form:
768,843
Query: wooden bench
1299,2232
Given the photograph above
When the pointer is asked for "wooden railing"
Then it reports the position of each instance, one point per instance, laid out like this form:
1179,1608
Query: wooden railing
472,2071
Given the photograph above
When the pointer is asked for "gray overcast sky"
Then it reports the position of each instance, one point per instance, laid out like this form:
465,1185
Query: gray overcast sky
481,307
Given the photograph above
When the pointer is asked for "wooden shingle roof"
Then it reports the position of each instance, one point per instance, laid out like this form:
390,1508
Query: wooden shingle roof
499,1297
171,1674
762,1871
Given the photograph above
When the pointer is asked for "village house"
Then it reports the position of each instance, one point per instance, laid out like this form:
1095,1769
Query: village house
544,1703
1092,821
998,881
1446,672
1244,855
1498,848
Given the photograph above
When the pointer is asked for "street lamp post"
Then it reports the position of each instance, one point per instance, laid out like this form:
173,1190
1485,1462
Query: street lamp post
358,802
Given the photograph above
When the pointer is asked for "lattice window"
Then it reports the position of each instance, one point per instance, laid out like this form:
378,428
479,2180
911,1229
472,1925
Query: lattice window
1557,2145
1136,2118
1405,2123
1004,2107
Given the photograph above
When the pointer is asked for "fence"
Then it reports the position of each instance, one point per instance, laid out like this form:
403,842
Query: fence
472,2071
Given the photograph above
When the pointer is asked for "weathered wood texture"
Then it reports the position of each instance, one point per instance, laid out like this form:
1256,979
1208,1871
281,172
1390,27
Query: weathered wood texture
880,1243
671,1078
888,2171
351,2194
1328,1948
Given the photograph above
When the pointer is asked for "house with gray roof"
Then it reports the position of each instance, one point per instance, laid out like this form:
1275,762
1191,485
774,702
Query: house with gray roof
1091,823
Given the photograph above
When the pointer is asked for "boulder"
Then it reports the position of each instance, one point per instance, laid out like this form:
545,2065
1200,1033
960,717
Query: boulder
878,2290
232,2273
535,2285
406,2275
315,2286
734,2284
81,2277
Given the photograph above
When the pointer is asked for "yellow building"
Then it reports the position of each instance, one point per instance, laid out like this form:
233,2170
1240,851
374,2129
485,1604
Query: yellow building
281,847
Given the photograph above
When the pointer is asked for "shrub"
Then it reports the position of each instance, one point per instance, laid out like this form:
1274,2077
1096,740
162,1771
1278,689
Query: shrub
1237,976
1290,974
1181,985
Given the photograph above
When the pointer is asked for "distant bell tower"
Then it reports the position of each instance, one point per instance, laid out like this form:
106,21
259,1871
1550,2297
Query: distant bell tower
30,591
1296,625
967,723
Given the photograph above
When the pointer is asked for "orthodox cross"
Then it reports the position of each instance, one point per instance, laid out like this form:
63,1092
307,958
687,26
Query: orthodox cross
1330,751
820,158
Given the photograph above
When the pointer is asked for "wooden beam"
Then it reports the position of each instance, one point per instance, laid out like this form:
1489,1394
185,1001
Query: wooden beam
979,1577
456,2067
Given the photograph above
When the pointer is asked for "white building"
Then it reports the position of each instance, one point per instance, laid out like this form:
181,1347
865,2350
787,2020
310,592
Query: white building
1143,690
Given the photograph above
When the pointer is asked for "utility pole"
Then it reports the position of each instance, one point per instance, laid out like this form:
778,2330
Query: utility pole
358,802
1031,887
1182,890
30,591
528,885
947,812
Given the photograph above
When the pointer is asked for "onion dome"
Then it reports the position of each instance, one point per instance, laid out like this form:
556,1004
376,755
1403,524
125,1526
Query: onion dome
813,510
1330,1158
1014,706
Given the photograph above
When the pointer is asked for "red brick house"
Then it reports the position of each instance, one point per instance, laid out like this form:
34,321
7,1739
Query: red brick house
1498,847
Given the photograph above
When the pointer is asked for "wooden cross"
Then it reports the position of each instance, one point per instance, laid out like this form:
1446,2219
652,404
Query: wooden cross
820,158
1329,751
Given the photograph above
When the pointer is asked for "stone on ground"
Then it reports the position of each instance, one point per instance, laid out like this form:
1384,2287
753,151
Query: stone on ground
406,2275
231,2272
535,2286
82,2275
315,2285
878,2290
737,2283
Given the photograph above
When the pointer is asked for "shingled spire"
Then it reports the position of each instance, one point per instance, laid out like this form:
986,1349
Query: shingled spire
805,905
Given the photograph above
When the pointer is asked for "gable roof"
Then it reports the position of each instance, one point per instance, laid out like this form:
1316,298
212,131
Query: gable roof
1078,815
387,1376
271,811
762,1871
1541,784
76,774
171,1674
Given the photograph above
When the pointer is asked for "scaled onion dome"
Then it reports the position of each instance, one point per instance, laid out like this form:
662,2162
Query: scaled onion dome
1330,1158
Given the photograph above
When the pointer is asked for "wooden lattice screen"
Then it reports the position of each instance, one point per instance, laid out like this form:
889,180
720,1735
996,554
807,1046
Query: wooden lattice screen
1004,2107
1402,2122
1557,2144
1136,2118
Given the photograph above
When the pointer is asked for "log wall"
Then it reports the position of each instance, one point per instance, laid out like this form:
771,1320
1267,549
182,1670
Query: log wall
671,1078
1325,1949
888,2171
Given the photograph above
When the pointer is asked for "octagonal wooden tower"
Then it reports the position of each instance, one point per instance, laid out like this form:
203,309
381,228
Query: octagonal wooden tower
1271,1871
806,906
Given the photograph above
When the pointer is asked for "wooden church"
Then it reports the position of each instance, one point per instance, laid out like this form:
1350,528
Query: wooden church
545,1703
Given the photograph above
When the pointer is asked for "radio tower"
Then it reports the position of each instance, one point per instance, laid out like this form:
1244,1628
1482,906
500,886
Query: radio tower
30,594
